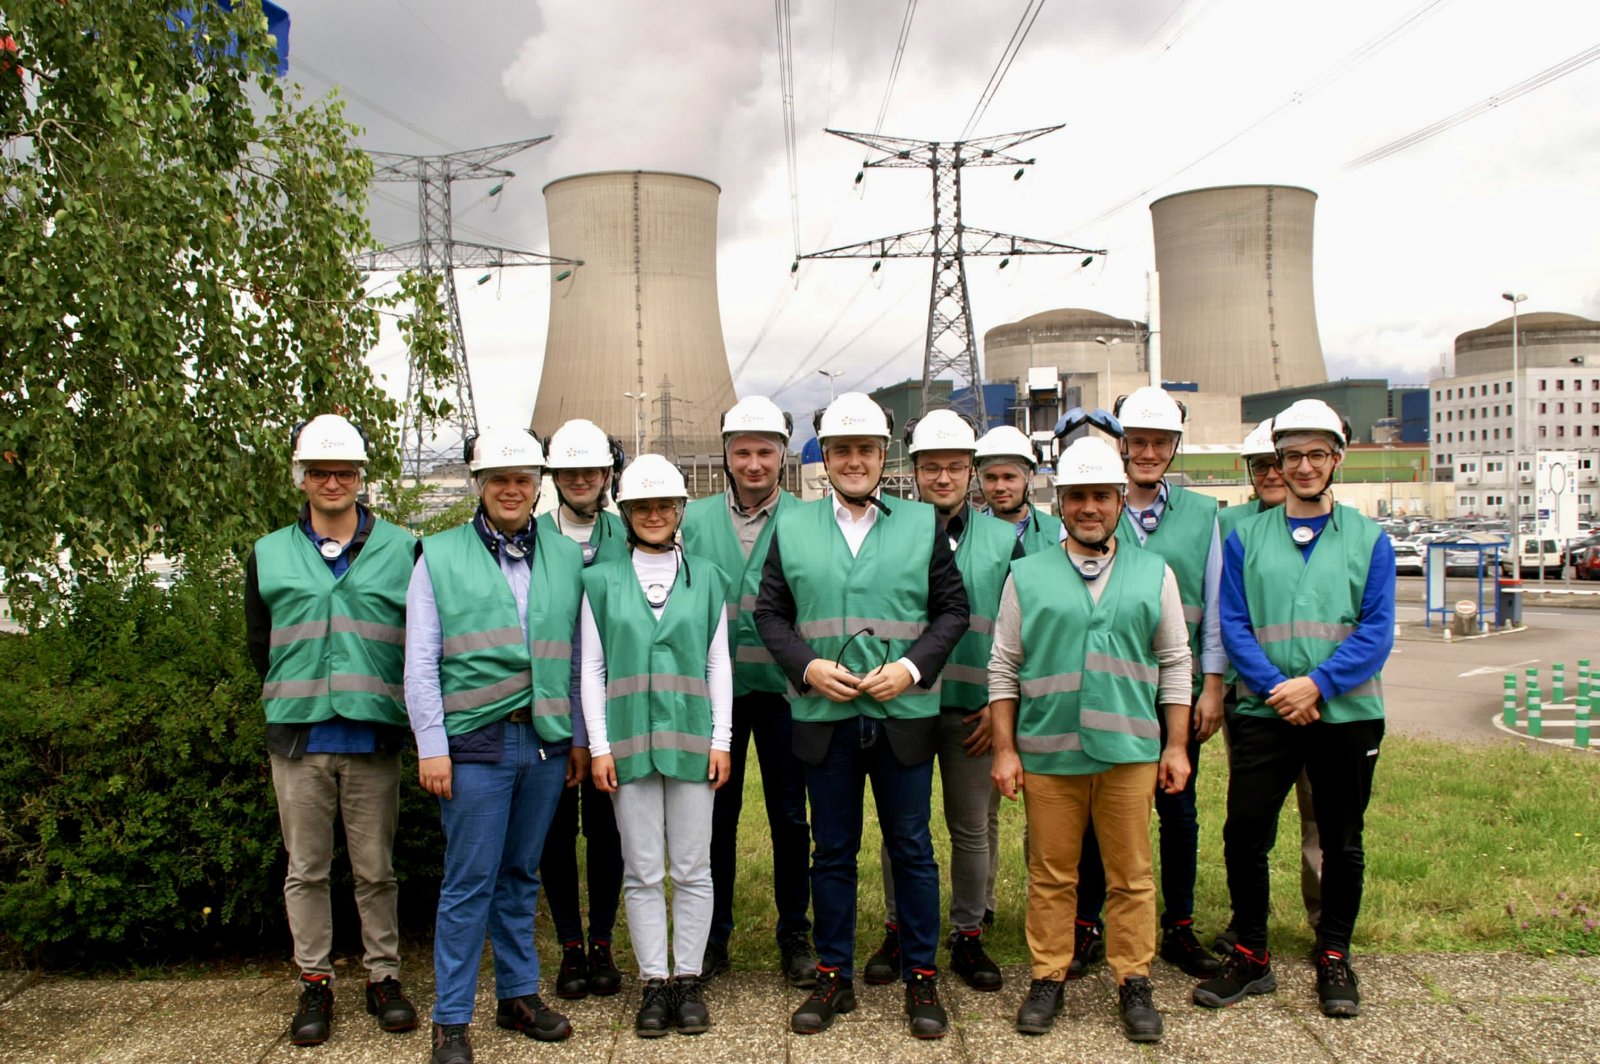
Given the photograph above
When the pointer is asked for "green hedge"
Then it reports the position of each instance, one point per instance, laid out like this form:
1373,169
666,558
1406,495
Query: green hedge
139,821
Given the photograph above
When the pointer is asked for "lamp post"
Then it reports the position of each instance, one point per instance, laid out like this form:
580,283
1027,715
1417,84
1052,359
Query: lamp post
833,380
1108,345
1515,298
638,432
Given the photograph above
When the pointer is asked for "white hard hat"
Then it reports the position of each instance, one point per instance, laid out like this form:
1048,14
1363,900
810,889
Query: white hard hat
1259,442
1150,408
941,430
579,444
855,414
1007,442
1310,415
494,449
650,476
1090,460
325,438
756,413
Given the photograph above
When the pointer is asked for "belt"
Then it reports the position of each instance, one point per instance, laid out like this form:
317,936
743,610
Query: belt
521,716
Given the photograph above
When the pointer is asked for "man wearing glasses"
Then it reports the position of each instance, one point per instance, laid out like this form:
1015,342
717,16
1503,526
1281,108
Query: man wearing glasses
941,445
861,603
1181,526
1308,619
325,612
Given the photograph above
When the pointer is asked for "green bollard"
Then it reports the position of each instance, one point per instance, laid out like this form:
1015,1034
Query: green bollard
1558,682
1508,715
1530,685
1535,712
1580,730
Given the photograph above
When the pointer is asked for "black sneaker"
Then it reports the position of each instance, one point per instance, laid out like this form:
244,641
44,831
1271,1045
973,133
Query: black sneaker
690,1015
831,996
532,1017
799,961
604,979
1242,973
1336,986
1140,1020
452,1044
883,967
1180,946
714,961
313,1015
387,1001
1088,948
972,964
1041,1007
572,981
1225,941
927,1017
654,1018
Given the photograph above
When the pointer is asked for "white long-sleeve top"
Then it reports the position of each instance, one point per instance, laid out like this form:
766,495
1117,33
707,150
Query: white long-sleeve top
654,569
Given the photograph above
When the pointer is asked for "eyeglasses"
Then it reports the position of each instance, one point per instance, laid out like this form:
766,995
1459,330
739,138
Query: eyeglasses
1260,467
954,471
1162,446
839,661
1316,459
345,477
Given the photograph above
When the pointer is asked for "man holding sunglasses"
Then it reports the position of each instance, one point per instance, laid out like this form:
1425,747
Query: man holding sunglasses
861,603
326,635
1308,619
941,445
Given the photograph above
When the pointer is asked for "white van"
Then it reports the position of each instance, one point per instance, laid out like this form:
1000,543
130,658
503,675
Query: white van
1537,552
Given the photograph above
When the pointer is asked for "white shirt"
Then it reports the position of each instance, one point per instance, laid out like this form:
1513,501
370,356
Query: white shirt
654,568
855,531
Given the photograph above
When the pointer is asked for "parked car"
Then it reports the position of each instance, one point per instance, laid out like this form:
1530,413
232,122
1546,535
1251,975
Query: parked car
1586,563
1540,556
1407,559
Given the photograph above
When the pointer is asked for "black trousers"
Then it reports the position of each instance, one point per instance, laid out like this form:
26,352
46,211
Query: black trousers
1268,756
558,868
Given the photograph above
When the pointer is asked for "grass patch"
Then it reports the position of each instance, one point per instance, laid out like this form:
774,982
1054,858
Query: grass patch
1469,848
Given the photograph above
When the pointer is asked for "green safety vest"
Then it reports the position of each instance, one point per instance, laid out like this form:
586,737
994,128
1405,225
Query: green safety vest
658,704
1228,520
708,531
488,670
884,587
1043,531
1301,609
984,558
1183,538
337,646
610,536
1089,676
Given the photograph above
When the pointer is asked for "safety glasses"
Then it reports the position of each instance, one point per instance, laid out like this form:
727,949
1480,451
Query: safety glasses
1099,418
839,661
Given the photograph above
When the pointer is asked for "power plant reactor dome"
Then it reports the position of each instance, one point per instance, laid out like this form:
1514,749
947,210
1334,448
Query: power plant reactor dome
1544,339
1066,339
640,315
1237,311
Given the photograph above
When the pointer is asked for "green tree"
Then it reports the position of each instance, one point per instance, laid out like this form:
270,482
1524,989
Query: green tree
176,287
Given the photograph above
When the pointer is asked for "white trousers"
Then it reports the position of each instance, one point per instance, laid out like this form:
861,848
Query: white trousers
665,826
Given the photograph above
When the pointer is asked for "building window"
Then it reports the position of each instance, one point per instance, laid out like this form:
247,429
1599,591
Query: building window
1561,384
1544,408
1543,384
1497,387
1497,434
1577,430
1561,430
1543,432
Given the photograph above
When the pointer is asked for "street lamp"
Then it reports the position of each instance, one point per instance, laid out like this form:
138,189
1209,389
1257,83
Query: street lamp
638,432
833,380
1515,298
1105,397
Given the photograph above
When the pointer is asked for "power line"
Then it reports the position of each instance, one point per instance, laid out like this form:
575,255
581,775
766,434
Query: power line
805,360
440,39
786,89
1187,25
880,367
1003,66
370,104
894,65
1521,88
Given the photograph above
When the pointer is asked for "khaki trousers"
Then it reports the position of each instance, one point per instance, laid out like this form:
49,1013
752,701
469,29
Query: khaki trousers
1059,808
312,791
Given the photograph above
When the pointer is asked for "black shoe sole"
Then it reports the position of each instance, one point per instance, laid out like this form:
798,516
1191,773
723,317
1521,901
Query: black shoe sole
1142,1036
1341,1010
838,1010
697,1028
879,977
981,984
560,1035
1266,984
309,1041
398,1028
1034,1028
931,1036
804,982
653,1033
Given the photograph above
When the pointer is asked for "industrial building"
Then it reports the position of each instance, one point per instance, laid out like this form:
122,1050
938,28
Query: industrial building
635,334
1237,313
1373,408
1556,383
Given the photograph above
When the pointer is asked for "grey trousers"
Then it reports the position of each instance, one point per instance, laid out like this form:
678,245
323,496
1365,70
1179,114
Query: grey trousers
312,791
665,827
970,802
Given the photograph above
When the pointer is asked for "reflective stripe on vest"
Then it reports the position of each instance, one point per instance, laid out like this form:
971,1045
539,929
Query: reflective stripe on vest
883,587
1183,538
658,701
1302,609
1088,690
487,669
336,647
708,531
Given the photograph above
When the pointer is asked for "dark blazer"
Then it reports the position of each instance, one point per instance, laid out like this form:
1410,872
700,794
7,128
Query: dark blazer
912,741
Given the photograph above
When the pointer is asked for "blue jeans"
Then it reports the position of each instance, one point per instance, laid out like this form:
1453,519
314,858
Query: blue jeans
494,829
765,717
859,751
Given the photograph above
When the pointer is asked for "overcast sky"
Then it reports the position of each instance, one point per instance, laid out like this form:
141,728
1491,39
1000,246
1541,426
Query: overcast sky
1155,95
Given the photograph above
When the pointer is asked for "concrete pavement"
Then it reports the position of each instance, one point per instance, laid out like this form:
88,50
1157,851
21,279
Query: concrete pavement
1465,1007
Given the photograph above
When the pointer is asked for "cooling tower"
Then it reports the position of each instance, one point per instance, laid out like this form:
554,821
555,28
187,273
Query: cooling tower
640,315
1237,312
